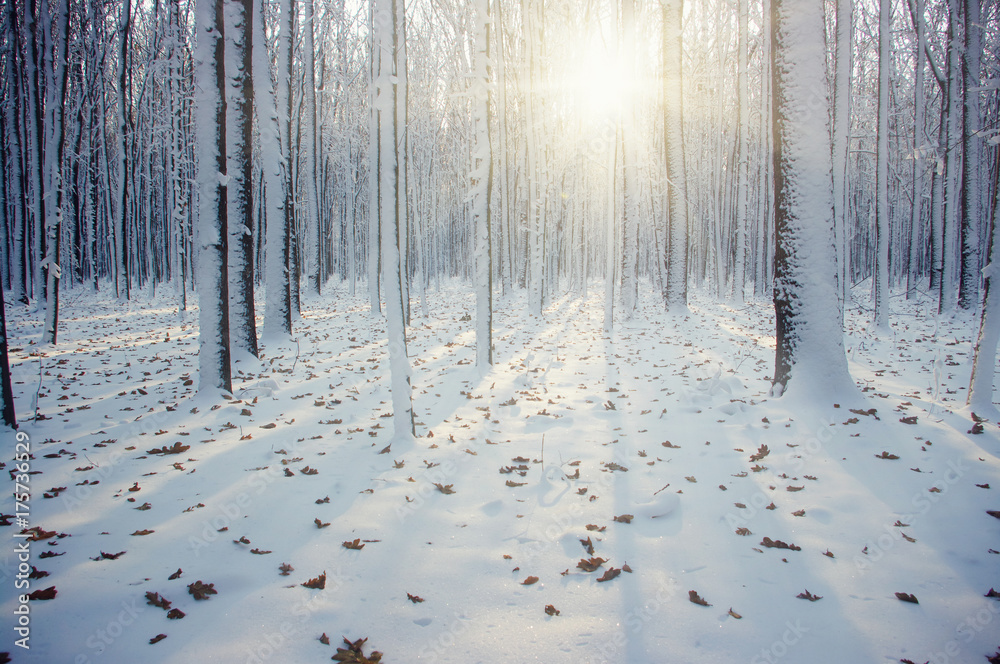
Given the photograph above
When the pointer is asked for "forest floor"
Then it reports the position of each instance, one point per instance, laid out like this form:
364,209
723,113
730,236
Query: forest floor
654,459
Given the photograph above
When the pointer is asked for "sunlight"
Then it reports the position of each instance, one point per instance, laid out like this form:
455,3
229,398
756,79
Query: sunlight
600,83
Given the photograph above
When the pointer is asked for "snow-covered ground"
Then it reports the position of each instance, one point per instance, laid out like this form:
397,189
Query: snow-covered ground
528,473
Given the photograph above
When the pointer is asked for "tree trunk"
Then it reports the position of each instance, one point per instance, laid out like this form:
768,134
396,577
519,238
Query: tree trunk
809,353
210,134
673,122
882,174
482,190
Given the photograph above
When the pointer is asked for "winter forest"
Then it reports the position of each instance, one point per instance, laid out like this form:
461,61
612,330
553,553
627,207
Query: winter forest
285,282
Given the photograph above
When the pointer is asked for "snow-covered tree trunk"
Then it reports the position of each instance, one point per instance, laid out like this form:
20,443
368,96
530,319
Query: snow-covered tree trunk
952,160
7,414
277,305
34,143
919,104
210,163
984,352
742,176
386,83
374,256
809,355
673,122
239,168
482,189
882,173
535,206
312,227
630,181
121,248
55,153
19,259
968,286
841,139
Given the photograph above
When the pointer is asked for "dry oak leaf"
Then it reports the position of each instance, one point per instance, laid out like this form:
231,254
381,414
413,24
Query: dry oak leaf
416,599
588,544
176,448
48,593
530,581
201,590
259,552
320,524
154,599
143,532
107,556
809,596
445,489
778,544
624,518
157,638
886,455
353,653
285,569
695,598
175,575
762,452
909,420
609,574
551,610
906,597
590,565
356,545
734,614
324,639
743,531
309,471
175,614
319,583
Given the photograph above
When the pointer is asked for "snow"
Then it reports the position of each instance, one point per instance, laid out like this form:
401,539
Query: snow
562,397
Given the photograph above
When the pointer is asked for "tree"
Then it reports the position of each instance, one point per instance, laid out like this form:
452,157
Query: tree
239,168
675,292
482,190
841,141
7,415
809,354
984,352
882,173
388,15
213,254
277,202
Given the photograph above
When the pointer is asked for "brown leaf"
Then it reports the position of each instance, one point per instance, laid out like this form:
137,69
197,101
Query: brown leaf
743,531
906,597
596,528
909,420
143,532
356,545
530,581
734,614
416,599
609,574
320,524
778,544
590,565
157,638
799,513
809,596
886,455
762,452
445,489
353,653
106,556
624,518
259,552
325,640
175,614
695,598
511,483
309,471
285,569
176,448
319,583
48,593
588,544
551,610
201,590
154,599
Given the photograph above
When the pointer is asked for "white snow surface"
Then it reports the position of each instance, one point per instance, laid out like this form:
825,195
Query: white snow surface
562,399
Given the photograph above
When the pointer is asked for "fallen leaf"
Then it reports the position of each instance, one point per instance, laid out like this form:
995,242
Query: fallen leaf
624,518
809,596
695,598
356,545
445,489
609,574
48,593
201,590
734,614
530,581
175,614
319,583
414,598
154,599
590,565
906,597
157,638
551,610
